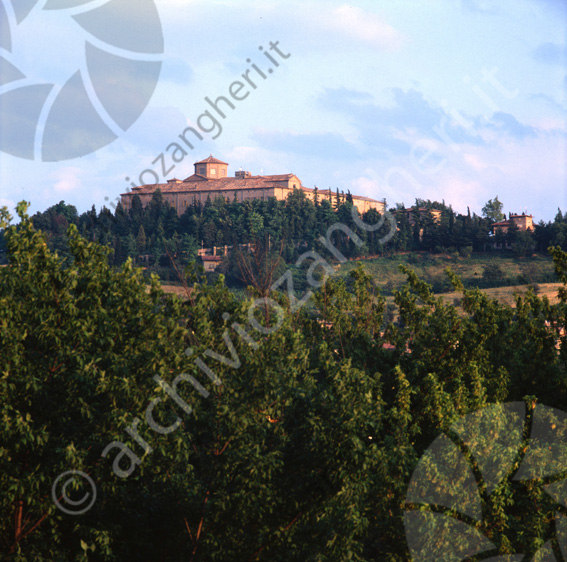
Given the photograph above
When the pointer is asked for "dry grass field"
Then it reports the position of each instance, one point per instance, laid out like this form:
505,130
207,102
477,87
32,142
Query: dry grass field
519,274
507,295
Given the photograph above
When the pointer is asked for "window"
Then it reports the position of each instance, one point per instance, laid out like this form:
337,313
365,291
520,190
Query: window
213,171
202,170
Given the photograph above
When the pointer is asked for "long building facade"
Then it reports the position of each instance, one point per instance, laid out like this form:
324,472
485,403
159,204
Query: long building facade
210,180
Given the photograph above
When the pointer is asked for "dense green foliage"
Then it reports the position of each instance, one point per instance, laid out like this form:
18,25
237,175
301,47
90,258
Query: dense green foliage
493,210
157,239
301,441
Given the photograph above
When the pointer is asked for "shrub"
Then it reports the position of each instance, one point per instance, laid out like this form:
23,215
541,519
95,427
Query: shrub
493,273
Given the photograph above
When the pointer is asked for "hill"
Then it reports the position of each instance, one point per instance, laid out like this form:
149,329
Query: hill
472,270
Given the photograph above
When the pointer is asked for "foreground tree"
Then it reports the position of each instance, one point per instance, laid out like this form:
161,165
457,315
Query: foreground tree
253,462
79,343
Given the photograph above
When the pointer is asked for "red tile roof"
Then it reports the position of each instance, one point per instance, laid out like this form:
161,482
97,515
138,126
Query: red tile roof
211,160
331,193
199,183
195,177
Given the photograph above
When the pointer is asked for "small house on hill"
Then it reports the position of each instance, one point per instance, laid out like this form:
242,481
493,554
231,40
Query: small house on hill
523,222
210,263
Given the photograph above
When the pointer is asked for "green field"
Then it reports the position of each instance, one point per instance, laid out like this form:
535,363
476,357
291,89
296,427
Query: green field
431,268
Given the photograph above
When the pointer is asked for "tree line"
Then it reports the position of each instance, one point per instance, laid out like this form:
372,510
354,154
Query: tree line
157,238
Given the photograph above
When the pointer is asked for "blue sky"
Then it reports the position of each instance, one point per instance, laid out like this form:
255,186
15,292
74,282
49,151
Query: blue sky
455,100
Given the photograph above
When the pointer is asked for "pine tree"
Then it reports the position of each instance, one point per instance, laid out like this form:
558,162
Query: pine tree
141,240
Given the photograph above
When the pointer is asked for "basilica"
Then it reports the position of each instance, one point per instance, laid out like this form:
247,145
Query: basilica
210,180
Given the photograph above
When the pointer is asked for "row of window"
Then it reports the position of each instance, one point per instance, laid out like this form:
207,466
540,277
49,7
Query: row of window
228,200
203,171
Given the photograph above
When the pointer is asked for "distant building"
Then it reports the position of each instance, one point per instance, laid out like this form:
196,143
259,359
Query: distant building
211,180
210,263
523,222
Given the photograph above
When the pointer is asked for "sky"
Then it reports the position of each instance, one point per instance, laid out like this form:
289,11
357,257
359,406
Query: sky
448,100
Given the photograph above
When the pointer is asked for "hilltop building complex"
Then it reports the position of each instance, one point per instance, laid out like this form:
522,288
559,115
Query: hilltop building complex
210,180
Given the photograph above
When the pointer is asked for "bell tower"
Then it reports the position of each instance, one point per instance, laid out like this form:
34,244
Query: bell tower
211,168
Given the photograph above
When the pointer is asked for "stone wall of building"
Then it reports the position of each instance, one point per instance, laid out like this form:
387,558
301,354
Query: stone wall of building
210,182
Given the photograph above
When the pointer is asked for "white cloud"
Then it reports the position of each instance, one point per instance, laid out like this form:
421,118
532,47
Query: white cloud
360,25
475,162
395,183
524,174
67,179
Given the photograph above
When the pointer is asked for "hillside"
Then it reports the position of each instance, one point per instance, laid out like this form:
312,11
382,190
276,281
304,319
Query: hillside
519,275
507,295
431,268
